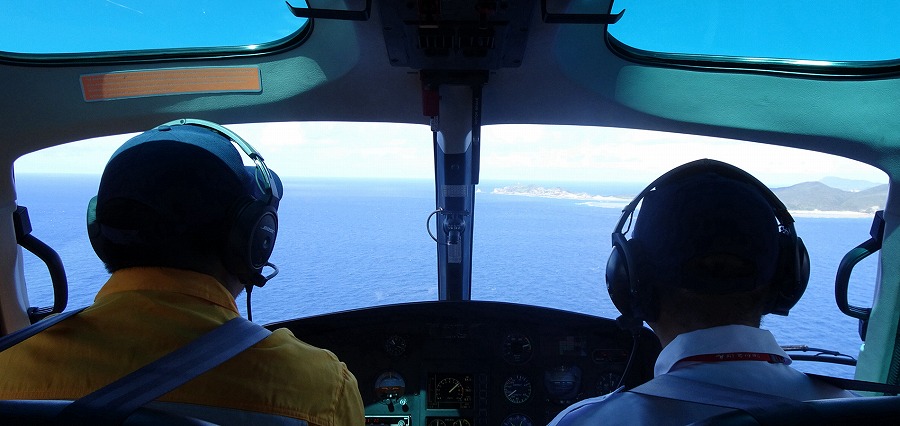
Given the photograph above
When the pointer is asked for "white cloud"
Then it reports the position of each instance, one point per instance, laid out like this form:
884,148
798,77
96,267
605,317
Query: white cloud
514,152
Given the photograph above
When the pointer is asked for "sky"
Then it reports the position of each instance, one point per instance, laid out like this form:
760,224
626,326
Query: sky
798,29
27,26
526,153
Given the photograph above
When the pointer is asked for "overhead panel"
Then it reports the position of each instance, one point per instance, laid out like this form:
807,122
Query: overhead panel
458,35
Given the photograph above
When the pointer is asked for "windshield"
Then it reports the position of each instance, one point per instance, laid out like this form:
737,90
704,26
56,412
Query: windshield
358,196
804,30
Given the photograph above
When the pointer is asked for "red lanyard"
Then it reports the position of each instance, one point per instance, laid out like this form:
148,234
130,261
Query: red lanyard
738,356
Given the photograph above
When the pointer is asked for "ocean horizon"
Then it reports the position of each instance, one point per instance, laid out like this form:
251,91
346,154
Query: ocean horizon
347,244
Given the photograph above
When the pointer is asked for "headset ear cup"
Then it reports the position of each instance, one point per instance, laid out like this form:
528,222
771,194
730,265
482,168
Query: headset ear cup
263,239
631,296
618,283
803,266
251,240
791,275
93,230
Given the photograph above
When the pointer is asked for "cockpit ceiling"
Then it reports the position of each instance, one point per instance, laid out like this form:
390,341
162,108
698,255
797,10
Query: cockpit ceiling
543,65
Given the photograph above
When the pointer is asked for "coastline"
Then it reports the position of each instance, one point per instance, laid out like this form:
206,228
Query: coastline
619,202
831,214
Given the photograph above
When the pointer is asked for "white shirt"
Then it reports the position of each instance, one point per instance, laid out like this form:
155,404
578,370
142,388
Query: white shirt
759,376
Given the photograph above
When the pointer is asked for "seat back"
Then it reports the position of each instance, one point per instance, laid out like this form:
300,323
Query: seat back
32,412
873,410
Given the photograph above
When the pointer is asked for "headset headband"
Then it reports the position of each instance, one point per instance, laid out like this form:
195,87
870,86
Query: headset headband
267,187
635,297
781,212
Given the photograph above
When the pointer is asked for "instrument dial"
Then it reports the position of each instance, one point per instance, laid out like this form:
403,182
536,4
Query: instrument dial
389,386
395,345
517,420
563,383
608,382
448,389
517,348
517,389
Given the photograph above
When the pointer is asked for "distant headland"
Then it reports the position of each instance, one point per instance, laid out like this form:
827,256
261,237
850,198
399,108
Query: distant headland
836,198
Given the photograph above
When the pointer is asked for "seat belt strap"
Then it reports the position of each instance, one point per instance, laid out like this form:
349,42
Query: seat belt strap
858,385
20,335
113,403
758,405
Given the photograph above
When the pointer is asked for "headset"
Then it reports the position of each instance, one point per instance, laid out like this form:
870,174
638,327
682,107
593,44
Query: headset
252,223
635,298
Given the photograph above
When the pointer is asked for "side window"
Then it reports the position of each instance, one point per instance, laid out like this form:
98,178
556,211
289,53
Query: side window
55,185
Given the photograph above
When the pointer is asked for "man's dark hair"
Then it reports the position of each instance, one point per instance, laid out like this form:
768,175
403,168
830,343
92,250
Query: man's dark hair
693,311
158,243
709,234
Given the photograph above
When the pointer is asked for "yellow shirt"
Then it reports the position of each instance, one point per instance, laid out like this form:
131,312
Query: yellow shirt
141,314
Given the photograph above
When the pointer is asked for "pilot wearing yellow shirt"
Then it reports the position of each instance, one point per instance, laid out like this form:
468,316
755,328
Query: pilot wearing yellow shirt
184,227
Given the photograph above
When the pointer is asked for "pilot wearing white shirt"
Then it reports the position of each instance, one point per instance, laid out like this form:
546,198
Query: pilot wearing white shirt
713,250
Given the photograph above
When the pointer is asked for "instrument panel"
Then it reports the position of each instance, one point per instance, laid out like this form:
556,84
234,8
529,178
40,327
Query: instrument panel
465,363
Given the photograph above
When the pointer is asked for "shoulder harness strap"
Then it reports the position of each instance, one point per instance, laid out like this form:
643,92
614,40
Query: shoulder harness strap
18,336
113,403
756,404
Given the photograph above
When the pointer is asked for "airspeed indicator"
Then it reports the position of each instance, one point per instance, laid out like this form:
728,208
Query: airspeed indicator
517,389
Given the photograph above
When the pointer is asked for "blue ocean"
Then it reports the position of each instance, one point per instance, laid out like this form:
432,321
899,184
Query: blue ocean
346,244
